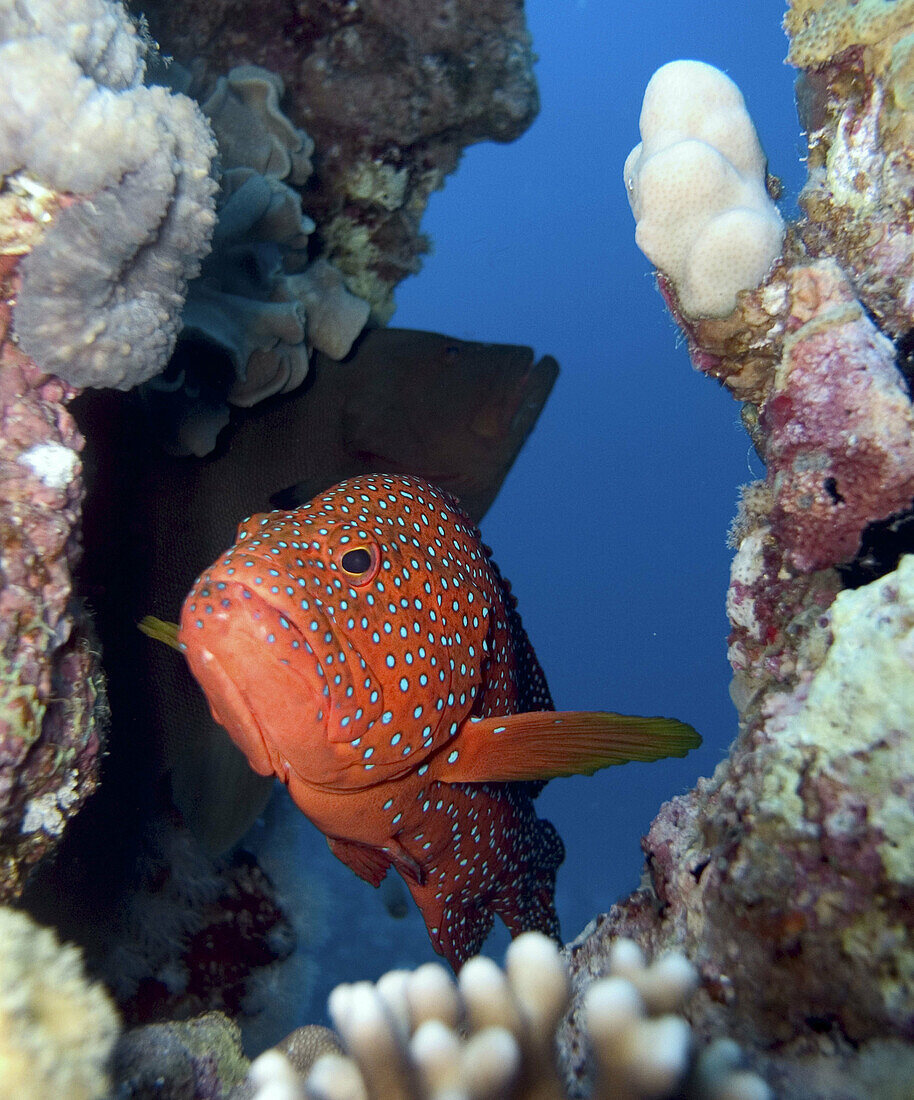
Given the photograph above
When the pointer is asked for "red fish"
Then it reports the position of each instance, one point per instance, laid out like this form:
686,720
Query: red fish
365,649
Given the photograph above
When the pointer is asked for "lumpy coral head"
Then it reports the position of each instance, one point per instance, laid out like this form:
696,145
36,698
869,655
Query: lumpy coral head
101,293
696,185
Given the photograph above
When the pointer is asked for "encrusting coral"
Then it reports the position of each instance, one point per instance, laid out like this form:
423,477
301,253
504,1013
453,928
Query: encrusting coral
787,876
57,1029
419,1036
196,1059
855,99
117,176
53,714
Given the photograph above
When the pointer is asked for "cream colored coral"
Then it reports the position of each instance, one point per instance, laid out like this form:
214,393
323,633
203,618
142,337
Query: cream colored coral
56,1028
419,1036
696,185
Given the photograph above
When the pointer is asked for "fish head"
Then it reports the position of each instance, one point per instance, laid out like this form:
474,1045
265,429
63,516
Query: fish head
343,641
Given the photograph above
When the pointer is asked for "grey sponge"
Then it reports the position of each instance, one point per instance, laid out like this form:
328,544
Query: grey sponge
102,292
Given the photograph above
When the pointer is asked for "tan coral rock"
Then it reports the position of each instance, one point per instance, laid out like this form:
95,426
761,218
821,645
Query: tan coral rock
57,1029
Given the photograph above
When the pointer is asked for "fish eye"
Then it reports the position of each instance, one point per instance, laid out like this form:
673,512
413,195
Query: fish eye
357,556
356,562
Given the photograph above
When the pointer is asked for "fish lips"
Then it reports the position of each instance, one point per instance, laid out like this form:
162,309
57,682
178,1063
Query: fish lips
257,670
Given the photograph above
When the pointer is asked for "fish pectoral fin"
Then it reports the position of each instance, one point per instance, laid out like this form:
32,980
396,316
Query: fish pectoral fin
159,630
369,863
548,744
409,868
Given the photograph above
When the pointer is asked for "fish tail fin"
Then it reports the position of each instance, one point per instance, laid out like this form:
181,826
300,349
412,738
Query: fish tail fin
540,745
160,630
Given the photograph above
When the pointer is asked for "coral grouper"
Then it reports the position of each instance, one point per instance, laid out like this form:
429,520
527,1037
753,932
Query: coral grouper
366,650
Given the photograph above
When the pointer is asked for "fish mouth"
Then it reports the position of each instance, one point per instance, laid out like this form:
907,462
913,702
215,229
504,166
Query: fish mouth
239,643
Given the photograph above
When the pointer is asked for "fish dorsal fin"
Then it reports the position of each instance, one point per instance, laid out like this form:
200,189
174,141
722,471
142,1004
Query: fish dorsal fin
548,744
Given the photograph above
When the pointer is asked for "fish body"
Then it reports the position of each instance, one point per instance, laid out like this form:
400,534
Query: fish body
365,649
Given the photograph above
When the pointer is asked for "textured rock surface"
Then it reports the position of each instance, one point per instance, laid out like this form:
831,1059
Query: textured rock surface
391,93
52,711
855,100
787,877
198,1059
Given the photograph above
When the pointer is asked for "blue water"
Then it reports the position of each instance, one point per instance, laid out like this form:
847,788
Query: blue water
612,524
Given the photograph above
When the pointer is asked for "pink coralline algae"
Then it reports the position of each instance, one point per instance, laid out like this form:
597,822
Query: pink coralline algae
827,407
840,432
51,696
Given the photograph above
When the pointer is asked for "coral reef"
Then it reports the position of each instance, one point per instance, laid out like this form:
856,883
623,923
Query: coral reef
57,1029
855,97
390,92
198,1059
117,177
52,701
787,876
258,306
193,935
419,1036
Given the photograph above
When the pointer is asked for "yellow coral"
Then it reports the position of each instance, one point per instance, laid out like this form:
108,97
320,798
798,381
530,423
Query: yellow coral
819,29
56,1028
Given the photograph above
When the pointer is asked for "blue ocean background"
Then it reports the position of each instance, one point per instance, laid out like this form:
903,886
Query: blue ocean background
612,524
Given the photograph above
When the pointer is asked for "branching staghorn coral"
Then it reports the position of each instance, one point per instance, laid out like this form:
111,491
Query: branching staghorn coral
119,174
420,1036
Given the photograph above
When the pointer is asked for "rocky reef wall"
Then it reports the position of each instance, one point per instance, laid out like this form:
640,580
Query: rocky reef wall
786,877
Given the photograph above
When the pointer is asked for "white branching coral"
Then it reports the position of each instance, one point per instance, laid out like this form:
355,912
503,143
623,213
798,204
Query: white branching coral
492,1035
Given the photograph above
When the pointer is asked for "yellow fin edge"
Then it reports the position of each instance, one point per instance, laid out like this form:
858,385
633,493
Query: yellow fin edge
160,630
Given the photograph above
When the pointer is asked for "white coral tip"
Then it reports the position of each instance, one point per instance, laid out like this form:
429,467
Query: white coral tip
538,980
657,1054
667,983
625,958
274,1078
491,1061
432,995
435,1050
611,1005
486,995
334,1077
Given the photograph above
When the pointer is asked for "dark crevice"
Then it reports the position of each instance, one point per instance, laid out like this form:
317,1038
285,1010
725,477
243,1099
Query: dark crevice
881,548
